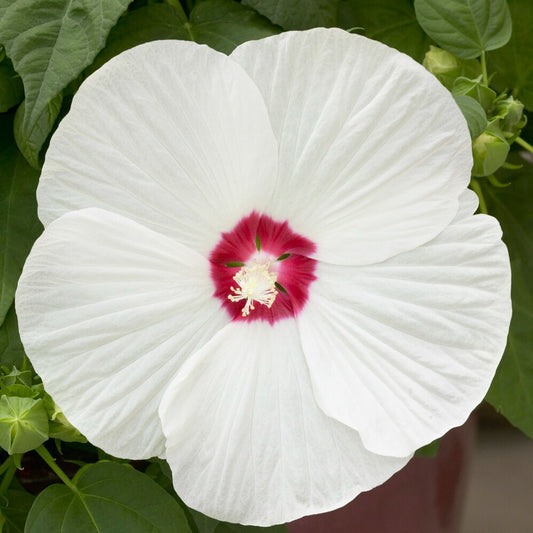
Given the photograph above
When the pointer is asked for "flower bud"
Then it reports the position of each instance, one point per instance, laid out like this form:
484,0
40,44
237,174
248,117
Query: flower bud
23,424
490,151
511,113
447,67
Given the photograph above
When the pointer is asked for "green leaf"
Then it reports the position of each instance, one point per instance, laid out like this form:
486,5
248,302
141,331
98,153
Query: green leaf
19,225
466,28
162,477
11,349
30,141
511,392
110,498
237,528
150,23
297,14
50,43
512,64
392,22
11,89
476,89
429,450
205,524
475,115
15,509
224,24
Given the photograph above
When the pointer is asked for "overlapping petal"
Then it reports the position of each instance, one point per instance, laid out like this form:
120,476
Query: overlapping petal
171,134
108,311
373,151
404,350
246,440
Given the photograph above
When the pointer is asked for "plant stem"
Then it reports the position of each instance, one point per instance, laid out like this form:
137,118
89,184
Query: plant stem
524,144
51,462
484,69
8,476
476,187
5,465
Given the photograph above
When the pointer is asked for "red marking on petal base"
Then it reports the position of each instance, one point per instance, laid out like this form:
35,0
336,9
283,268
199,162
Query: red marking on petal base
294,274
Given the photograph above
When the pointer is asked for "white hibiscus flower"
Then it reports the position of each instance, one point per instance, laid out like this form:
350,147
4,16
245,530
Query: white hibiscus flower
264,267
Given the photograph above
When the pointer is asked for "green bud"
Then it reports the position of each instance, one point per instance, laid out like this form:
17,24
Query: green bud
23,424
511,114
490,151
60,427
447,67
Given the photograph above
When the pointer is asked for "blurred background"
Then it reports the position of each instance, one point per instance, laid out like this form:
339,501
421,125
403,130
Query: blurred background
499,493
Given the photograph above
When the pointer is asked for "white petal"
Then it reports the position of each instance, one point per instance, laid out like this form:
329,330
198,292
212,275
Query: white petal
245,439
108,310
468,204
374,152
404,350
171,134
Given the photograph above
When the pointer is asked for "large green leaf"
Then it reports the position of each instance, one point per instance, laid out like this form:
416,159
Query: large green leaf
149,23
511,392
11,89
204,523
19,225
50,43
14,508
392,22
512,64
30,141
297,14
466,28
11,349
224,24
110,498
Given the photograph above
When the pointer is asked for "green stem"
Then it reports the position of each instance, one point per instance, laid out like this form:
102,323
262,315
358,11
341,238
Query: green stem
51,462
524,144
8,476
476,187
484,69
5,465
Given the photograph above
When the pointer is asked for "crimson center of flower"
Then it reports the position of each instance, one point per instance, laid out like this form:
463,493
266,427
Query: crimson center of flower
261,269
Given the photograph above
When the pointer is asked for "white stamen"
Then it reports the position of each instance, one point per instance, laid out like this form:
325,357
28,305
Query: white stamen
256,284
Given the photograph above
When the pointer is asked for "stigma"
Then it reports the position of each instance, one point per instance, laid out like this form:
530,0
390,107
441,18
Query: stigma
255,283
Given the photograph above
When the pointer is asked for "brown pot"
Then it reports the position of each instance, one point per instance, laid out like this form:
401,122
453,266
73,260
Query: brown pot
424,497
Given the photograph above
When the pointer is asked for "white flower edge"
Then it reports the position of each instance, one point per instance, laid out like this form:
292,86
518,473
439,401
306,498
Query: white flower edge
170,134
249,443
404,350
373,151
108,310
